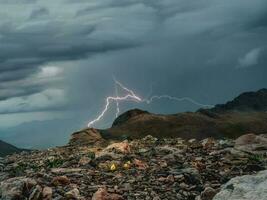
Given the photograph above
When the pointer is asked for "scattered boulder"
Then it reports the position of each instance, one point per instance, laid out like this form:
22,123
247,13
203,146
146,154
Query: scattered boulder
60,180
47,193
121,147
73,194
245,187
88,136
140,164
16,188
103,194
208,193
251,143
208,143
36,193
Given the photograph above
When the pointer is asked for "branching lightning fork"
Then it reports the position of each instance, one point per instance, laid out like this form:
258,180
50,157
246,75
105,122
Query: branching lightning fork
131,96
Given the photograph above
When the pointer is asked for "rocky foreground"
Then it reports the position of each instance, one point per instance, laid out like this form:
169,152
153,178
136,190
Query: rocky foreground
147,168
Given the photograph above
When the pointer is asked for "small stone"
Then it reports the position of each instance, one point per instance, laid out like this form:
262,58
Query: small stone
73,194
122,147
208,143
47,193
60,180
84,160
170,178
140,164
102,194
184,186
66,170
192,140
36,193
208,193
14,188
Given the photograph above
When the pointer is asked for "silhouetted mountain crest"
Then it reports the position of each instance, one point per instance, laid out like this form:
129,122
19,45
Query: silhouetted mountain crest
245,114
128,115
247,101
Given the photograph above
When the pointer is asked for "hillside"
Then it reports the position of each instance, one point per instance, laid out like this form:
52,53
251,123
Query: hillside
245,114
7,149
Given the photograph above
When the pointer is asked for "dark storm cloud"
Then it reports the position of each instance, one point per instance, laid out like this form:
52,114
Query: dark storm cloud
162,9
40,12
24,49
18,1
173,36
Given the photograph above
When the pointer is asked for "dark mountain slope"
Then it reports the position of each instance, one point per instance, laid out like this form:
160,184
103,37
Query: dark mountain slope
7,149
248,101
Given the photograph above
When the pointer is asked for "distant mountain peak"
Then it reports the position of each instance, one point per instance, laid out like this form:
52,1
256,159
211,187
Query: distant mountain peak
247,101
128,115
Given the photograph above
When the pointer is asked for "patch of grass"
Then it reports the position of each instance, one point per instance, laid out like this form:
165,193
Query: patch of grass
91,155
57,162
256,157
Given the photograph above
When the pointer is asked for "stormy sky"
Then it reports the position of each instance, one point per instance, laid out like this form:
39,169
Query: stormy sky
58,58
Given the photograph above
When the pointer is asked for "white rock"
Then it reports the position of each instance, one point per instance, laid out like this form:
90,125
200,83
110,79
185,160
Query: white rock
248,187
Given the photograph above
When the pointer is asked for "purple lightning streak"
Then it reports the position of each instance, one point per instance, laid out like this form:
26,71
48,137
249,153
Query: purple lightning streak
131,96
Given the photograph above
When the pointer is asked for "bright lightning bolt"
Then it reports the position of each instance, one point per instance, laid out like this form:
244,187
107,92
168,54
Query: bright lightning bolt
128,90
131,96
176,99
117,102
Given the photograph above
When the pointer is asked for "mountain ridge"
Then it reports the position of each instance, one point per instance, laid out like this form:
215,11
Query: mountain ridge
244,114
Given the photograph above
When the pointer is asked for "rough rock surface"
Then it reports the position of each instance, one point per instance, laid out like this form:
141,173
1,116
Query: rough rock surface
252,143
89,136
246,187
147,168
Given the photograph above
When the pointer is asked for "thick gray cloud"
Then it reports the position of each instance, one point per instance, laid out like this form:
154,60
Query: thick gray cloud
62,54
39,12
17,1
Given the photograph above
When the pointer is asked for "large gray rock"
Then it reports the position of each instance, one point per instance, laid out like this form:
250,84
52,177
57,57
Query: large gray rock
248,187
252,143
16,188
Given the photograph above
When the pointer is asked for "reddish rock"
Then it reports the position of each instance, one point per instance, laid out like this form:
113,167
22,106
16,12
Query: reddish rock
140,164
60,180
122,147
102,194
88,136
